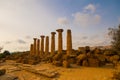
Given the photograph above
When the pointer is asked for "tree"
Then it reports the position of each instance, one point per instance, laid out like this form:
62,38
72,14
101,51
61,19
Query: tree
115,36
6,52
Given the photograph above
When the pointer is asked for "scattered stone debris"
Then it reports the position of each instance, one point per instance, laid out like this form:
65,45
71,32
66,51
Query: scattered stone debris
57,63
45,73
2,71
8,77
4,76
116,75
93,62
66,64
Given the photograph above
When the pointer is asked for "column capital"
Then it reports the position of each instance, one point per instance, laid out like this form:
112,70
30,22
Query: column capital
34,38
68,30
59,30
53,33
42,36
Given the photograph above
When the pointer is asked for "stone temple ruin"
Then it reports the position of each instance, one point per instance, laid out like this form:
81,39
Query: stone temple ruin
84,56
60,58
37,48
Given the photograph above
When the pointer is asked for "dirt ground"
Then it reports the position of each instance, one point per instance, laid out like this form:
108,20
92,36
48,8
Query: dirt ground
74,73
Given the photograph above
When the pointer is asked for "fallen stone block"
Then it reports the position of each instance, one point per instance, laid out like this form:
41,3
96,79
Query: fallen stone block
2,72
8,77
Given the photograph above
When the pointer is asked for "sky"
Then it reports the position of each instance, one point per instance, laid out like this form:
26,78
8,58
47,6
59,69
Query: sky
89,20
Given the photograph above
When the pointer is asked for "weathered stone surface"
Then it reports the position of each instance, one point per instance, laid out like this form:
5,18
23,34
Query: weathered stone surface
44,72
93,62
8,77
31,49
57,63
19,60
58,57
2,72
38,47
85,63
60,40
34,46
42,44
53,42
47,45
66,64
69,42
72,60
2,60
80,58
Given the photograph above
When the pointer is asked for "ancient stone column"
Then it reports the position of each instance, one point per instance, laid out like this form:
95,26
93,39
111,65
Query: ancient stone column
42,44
34,45
38,46
31,49
69,42
53,42
60,45
47,45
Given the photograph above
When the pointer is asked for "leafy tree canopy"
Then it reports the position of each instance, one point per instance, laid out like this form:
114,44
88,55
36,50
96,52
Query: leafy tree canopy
115,36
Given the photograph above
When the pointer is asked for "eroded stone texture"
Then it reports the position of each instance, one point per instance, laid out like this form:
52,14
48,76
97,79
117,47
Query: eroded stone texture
47,45
53,42
31,49
42,44
69,42
34,51
60,42
38,46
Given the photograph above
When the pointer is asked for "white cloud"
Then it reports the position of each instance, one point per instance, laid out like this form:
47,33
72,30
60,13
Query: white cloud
86,19
63,21
90,8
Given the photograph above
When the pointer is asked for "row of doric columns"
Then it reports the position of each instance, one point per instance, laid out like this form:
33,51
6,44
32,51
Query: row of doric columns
37,48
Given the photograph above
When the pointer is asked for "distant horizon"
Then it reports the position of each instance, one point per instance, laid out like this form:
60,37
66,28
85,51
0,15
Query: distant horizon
56,49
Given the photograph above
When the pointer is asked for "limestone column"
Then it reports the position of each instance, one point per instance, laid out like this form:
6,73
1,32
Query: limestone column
60,45
34,45
31,49
38,46
42,44
69,42
47,45
53,42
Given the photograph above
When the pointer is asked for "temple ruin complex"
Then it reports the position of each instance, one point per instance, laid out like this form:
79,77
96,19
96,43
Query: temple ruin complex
38,46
